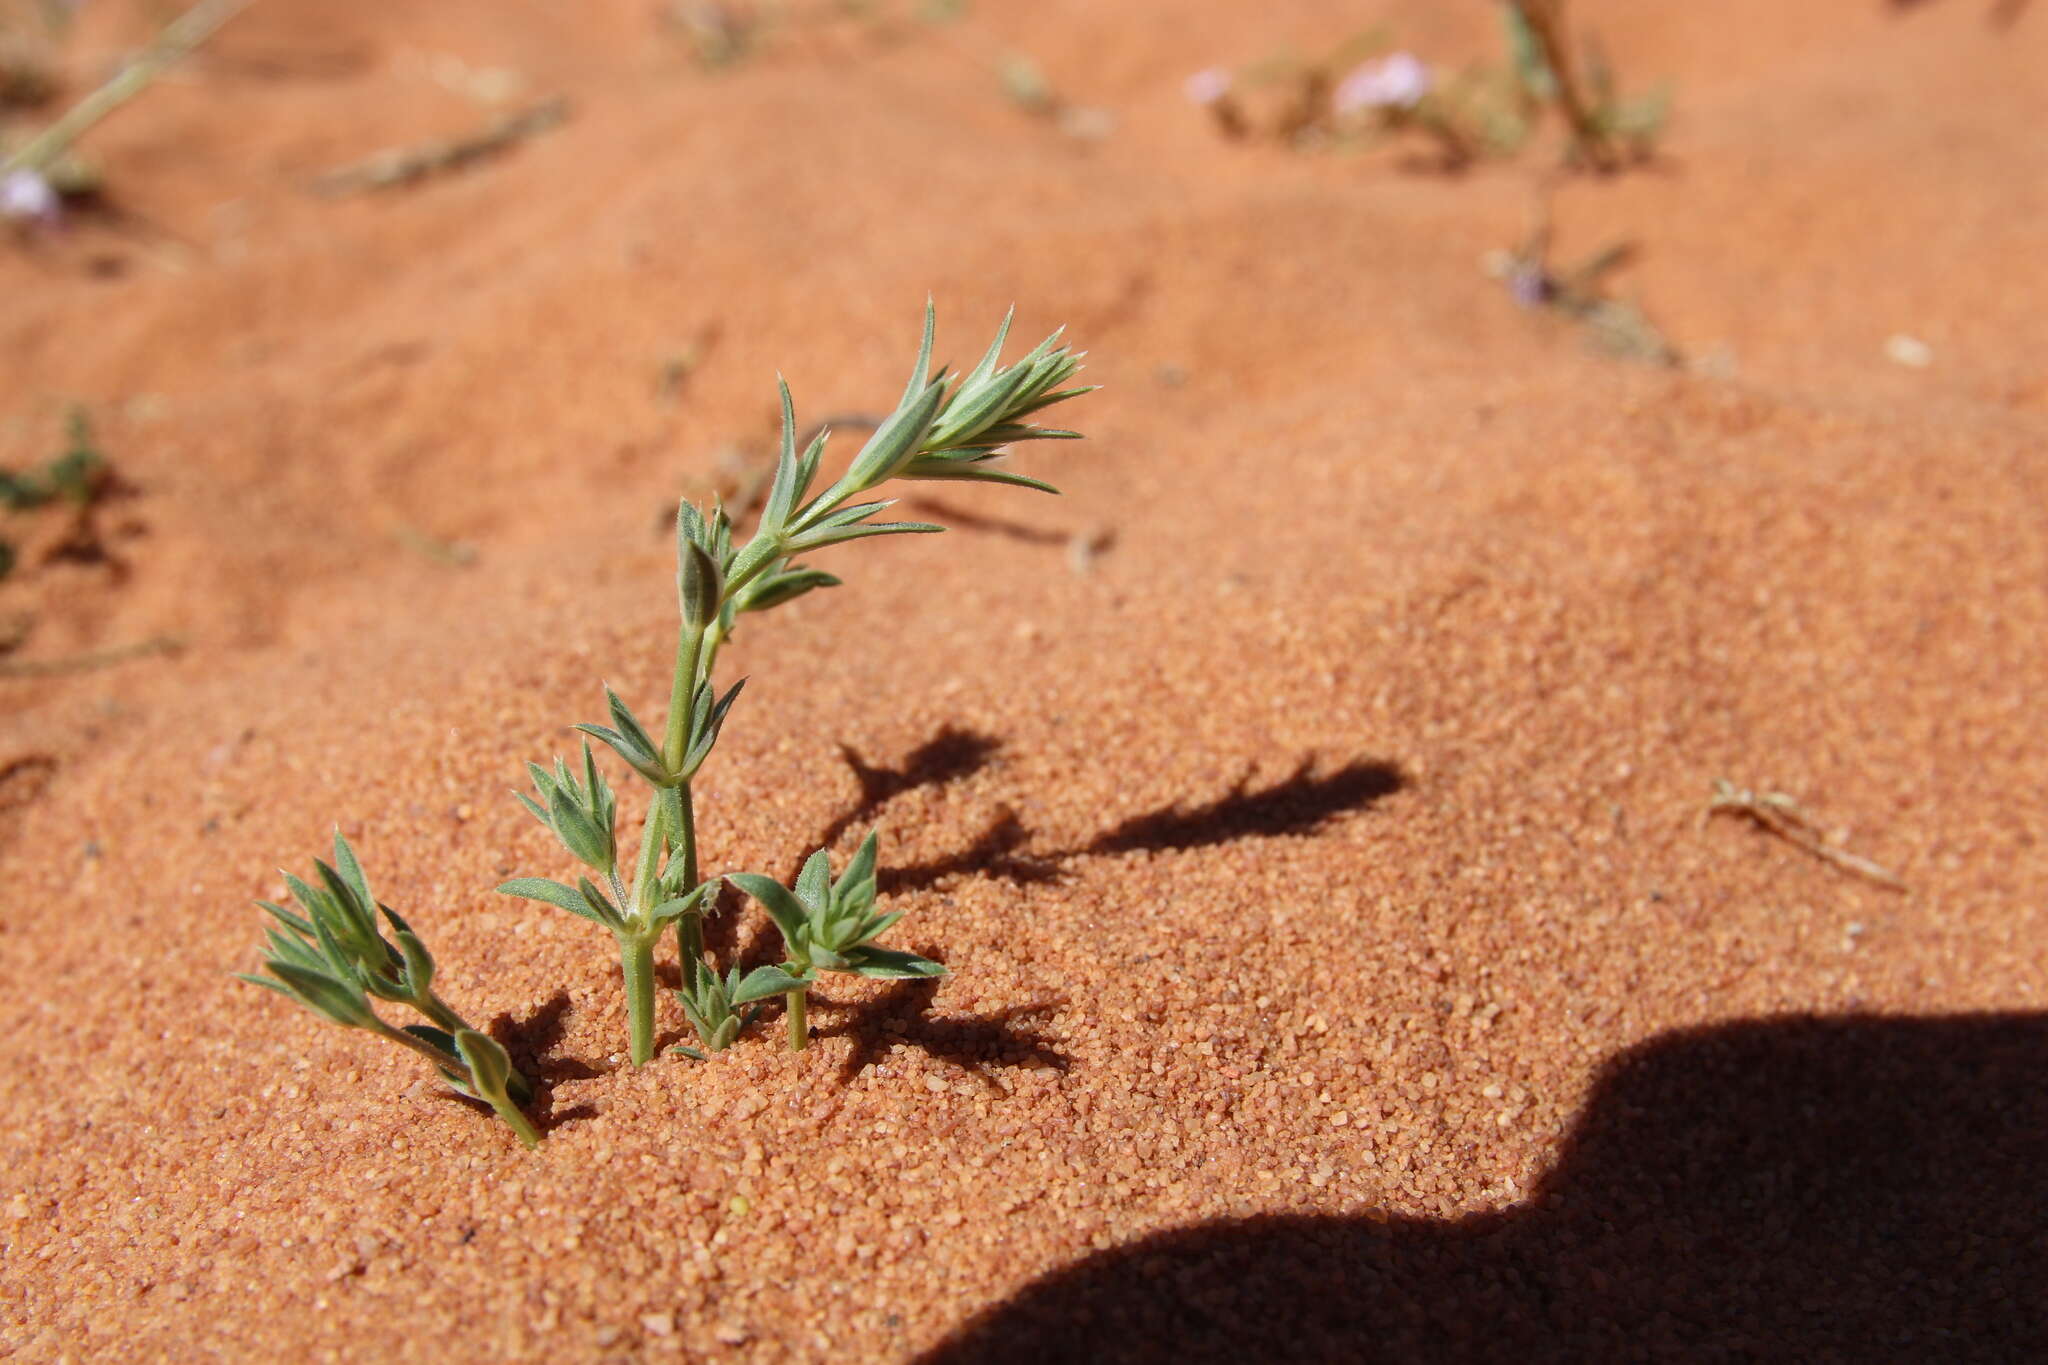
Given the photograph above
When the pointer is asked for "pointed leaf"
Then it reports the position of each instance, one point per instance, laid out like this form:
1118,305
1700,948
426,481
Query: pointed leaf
877,926
287,918
351,870
553,893
419,963
862,868
776,899
814,883
439,1038
628,724
987,366
818,540
920,375
765,982
971,472
324,995
784,492
890,965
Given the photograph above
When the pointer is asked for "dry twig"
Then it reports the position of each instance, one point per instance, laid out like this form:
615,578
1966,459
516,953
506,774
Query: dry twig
1780,815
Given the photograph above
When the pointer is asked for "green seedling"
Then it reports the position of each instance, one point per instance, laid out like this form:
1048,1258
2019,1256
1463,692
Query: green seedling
827,926
943,428
333,959
709,1006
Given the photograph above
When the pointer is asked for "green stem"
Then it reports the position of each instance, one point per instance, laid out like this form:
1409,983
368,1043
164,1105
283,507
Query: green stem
517,1122
437,1010
799,1020
636,959
689,644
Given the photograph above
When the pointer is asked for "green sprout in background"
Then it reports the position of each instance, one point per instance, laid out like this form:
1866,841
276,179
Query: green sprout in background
332,958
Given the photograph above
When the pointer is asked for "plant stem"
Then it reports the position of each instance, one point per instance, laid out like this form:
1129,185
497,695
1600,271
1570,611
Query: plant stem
445,1018
179,37
799,1021
1545,19
518,1122
636,959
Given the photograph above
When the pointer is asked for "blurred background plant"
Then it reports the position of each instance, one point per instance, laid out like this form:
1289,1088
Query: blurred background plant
39,175
74,479
1364,93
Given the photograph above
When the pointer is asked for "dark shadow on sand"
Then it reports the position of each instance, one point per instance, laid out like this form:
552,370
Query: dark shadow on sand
1797,1189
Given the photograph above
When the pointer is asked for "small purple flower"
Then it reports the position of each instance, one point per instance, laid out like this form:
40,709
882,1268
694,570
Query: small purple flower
1207,86
1395,82
26,196
1530,285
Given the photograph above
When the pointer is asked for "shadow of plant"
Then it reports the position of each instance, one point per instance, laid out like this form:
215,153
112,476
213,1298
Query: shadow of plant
1301,803
948,756
992,854
1854,1188
975,521
531,1042
980,1044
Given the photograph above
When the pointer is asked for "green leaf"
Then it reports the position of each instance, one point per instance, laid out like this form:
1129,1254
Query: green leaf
877,926
971,472
419,963
287,918
862,868
490,1068
439,1038
776,899
326,996
644,761
691,529
288,949
814,454
309,900
890,965
706,731
267,984
579,834
600,905
814,883
680,905
784,492
351,870
553,893
776,589
818,540
765,982
976,406
896,440
700,586
920,375
628,724
987,366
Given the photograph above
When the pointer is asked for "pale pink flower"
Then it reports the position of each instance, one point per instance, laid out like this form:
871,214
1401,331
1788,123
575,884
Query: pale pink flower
26,196
1394,82
1207,86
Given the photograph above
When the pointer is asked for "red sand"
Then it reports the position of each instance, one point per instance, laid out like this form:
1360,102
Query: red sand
1467,618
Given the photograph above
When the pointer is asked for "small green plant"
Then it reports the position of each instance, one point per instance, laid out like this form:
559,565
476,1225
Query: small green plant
826,925
945,427
332,959
78,476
